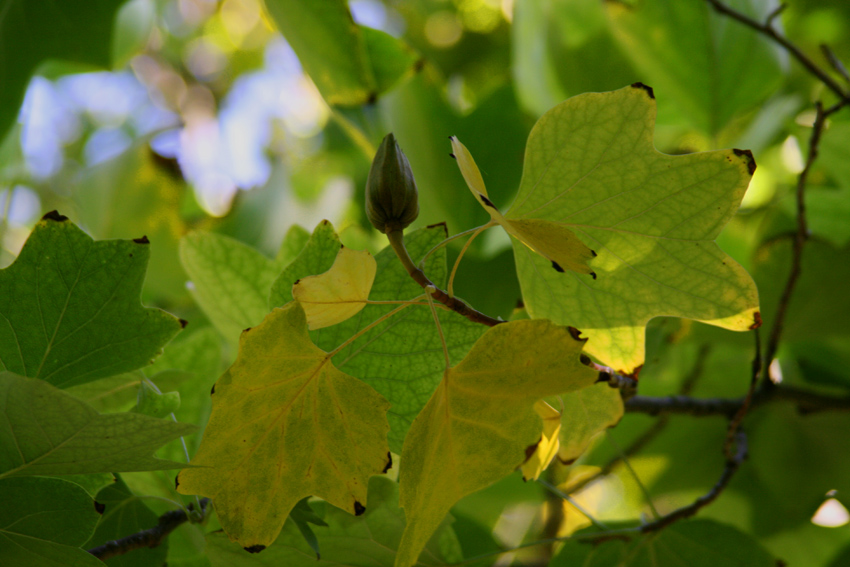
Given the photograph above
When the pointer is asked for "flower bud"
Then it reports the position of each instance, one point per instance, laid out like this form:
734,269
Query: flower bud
392,202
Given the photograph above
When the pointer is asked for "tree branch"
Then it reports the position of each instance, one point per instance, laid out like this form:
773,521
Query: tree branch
152,537
768,30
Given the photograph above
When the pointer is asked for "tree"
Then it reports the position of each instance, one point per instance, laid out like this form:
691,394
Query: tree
570,342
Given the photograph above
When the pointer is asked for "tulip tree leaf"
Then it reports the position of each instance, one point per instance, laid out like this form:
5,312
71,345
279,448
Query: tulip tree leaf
33,31
585,413
286,424
549,442
369,540
402,356
652,219
338,294
43,521
70,310
45,431
480,421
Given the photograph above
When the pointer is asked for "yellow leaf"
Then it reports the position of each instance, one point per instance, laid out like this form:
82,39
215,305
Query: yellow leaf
286,424
547,447
479,422
552,240
339,293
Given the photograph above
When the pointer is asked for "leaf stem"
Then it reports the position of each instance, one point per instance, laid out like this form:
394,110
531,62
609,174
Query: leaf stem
396,238
563,495
634,474
443,243
463,250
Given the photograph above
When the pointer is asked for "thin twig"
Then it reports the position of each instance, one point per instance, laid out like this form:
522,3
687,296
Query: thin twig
152,537
768,30
800,236
835,62
735,424
396,239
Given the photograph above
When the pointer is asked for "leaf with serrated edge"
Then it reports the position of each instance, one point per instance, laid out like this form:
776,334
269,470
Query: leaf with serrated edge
552,240
479,422
652,218
338,294
70,309
286,424
44,431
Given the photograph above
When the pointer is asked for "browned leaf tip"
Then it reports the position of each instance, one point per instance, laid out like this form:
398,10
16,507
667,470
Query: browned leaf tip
183,323
419,65
442,225
54,216
647,88
246,330
756,321
389,464
557,267
747,156
486,201
633,374
575,333
99,508
212,390
142,240
358,508
255,548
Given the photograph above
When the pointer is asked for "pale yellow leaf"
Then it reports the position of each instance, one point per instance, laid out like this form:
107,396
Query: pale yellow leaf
549,442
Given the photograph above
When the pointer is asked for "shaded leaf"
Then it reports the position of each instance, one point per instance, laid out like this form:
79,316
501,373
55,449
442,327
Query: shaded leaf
480,421
696,543
338,294
33,31
45,431
585,413
316,257
652,218
312,430
70,309
369,540
43,521
125,514
549,442
711,67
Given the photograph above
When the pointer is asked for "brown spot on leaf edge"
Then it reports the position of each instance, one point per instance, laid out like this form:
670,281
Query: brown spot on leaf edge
54,216
442,225
575,333
176,481
99,508
212,390
647,88
633,374
419,65
255,548
142,240
486,201
183,323
358,508
557,267
389,464
747,156
756,321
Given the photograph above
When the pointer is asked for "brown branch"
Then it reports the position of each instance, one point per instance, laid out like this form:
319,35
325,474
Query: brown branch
152,537
768,30
397,242
800,236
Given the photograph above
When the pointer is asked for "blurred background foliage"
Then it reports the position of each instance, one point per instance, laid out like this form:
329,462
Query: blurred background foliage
160,117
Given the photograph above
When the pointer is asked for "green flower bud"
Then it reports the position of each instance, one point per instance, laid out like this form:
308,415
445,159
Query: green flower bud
392,202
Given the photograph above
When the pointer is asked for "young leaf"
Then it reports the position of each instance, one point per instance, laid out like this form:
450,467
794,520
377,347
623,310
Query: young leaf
70,310
286,424
44,431
548,445
552,240
231,280
480,421
43,521
586,413
652,219
338,294
369,540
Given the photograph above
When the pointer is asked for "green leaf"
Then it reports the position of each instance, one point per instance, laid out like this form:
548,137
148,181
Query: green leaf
586,413
351,65
651,218
710,67
312,430
695,543
43,521
45,431
154,403
316,257
480,422
112,394
70,310
91,483
33,31
231,281
125,514
402,357
369,540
